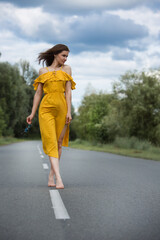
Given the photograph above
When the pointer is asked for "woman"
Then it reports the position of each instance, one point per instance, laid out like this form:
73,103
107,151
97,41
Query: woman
55,108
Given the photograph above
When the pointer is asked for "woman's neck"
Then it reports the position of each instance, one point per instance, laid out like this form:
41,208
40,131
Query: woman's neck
55,65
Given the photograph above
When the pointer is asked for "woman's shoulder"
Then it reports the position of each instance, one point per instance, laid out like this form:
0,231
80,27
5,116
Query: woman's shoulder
67,69
42,70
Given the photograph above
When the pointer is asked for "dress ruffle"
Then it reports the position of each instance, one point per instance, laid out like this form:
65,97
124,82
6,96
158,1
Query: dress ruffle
54,76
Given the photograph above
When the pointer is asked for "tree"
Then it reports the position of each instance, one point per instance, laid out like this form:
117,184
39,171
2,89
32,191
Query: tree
91,112
72,132
2,121
28,74
16,98
13,98
139,105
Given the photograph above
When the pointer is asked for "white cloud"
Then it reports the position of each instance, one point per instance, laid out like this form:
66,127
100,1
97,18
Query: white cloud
27,20
143,16
94,5
98,68
34,23
86,31
14,48
83,5
104,3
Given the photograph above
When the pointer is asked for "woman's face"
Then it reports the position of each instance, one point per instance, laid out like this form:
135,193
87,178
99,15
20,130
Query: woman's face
62,57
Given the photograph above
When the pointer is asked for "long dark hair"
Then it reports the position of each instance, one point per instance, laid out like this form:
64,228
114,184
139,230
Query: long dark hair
48,56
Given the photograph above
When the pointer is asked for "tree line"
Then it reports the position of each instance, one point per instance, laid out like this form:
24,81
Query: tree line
16,100
132,109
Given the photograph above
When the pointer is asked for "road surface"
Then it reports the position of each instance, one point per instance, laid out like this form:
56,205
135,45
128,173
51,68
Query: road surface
106,196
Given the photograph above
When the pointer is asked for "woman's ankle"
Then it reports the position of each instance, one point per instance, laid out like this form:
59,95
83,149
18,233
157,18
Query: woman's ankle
58,176
51,173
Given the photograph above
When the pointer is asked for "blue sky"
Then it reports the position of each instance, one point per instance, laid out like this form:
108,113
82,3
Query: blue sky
106,38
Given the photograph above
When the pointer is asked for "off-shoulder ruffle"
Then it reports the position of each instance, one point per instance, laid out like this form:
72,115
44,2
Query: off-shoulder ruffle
69,78
50,76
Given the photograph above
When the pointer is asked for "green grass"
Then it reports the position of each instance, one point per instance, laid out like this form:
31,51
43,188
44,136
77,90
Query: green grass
122,146
9,140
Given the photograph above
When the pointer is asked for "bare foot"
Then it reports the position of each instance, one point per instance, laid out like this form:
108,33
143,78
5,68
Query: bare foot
51,182
59,183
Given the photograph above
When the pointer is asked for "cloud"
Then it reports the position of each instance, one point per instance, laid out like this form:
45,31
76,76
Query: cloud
26,22
104,43
78,6
85,32
122,54
100,69
142,16
14,48
96,31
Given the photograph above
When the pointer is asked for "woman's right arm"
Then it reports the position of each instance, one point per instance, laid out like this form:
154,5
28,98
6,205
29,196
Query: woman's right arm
36,100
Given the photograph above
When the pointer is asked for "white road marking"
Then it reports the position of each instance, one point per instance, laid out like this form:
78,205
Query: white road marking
45,165
59,209
39,149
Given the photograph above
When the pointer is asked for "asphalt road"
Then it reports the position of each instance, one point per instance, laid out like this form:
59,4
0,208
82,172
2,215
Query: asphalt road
108,197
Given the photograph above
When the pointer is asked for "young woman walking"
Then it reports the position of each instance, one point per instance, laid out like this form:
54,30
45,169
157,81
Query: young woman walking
55,108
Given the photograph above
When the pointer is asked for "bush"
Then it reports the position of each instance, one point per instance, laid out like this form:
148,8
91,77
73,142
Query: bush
132,143
2,121
109,128
157,135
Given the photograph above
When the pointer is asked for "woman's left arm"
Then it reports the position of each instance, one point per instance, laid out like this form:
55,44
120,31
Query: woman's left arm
68,96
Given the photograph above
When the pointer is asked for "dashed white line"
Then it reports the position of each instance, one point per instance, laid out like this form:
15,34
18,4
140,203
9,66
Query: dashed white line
39,149
59,209
45,166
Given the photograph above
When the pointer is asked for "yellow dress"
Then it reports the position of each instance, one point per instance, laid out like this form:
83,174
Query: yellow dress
53,109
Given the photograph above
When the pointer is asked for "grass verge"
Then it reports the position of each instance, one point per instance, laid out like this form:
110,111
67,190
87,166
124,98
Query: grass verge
126,147
150,152
9,140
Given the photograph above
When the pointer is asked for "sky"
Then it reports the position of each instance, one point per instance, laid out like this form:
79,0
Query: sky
106,38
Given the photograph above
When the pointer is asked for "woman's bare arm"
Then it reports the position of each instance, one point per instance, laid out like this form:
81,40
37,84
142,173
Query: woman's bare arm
68,96
36,100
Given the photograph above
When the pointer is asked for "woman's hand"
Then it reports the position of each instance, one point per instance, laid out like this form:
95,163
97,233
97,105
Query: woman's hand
68,118
29,119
